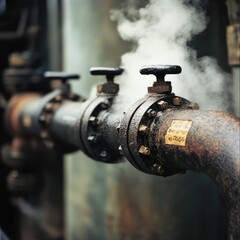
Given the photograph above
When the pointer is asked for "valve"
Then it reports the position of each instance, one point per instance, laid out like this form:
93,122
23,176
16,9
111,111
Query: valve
160,86
59,80
109,87
135,128
92,133
62,76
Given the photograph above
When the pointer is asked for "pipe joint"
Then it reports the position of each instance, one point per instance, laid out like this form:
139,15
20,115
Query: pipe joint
136,132
94,130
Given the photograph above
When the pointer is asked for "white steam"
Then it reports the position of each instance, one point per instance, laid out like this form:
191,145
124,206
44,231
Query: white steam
161,34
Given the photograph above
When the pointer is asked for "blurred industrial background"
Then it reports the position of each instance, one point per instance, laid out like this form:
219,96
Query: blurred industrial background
76,197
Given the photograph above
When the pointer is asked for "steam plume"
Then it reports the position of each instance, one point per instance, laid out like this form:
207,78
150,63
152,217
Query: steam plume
161,34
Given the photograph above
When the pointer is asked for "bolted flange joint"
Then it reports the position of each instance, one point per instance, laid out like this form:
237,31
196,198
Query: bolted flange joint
136,130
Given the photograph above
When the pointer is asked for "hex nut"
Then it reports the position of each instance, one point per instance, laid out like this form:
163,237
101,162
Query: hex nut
143,129
193,106
58,98
151,113
49,107
177,101
158,168
92,138
103,154
42,118
120,150
144,150
105,104
93,121
44,135
162,104
118,127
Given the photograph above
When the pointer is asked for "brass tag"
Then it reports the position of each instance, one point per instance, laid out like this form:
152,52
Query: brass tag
177,132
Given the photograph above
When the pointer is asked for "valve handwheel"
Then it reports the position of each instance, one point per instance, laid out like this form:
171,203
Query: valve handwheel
160,86
109,87
60,76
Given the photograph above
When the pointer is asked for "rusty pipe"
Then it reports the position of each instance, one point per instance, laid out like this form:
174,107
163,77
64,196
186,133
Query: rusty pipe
16,105
165,135
25,112
205,141
211,146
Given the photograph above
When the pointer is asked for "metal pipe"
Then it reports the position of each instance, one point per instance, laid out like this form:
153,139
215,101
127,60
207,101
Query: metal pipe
67,118
15,108
161,134
211,146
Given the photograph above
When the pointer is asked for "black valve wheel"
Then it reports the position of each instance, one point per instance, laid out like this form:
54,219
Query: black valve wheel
109,87
160,86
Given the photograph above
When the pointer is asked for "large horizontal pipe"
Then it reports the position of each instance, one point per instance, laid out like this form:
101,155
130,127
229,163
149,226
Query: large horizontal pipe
177,140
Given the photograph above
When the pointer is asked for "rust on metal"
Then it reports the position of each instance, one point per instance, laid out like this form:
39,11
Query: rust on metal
162,104
154,139
143,129
212,147
16,105
144,150
177,101
193,106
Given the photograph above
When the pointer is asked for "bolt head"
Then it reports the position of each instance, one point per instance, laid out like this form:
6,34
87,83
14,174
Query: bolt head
105,104
93,121
44,134
103,154
118,127
92,138
42,118
193,106
162,105
58,98
158,168
144,150
120,150
49,107
49,144
177,101
48,118
143,129
151,113
73,96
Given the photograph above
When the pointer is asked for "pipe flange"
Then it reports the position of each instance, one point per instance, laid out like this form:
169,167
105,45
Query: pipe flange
50,105
135,131
94,144
139,129
124,131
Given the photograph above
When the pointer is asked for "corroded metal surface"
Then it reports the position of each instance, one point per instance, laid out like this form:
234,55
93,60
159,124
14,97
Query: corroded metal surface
67,118
212,147
135,142
15,106
120,202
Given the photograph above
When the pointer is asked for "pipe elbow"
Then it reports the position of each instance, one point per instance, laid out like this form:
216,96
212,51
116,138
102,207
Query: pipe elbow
205,141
